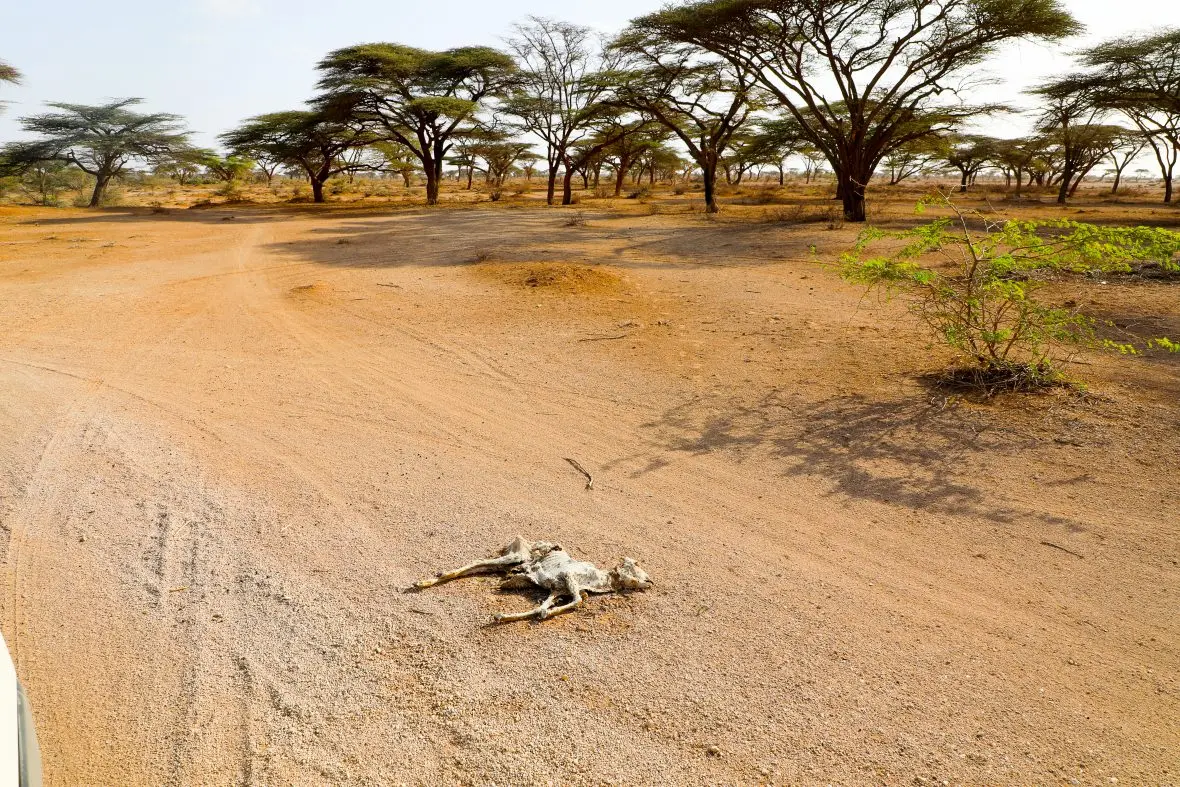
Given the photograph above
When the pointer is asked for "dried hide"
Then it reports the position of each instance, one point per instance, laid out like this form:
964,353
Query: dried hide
548,566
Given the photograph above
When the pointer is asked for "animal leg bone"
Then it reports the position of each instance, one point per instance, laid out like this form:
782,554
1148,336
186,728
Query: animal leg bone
478,567
576,597
537,612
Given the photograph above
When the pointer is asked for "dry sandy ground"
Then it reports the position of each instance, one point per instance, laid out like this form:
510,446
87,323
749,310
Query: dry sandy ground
229,443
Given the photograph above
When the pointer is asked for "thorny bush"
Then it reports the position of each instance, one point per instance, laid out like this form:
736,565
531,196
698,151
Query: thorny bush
981,300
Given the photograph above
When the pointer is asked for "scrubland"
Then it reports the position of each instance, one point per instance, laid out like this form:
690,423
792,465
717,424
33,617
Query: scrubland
237,426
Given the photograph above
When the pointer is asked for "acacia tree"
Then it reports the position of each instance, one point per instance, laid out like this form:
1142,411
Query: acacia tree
775,140
1140,78
499,156
657,160
914,157
1121,157
704,101
624,152
740,158
886,62
1071,117
227,169
306,140
399,159
463,157
418,98
8,73
558,91
969,154
610,126
1015,157
99,140
183,166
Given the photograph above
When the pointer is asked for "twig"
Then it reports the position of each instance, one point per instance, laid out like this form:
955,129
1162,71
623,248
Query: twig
604,338
383,284
1063,549
583,471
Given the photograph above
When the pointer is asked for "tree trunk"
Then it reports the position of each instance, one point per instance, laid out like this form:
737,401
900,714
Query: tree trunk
317,190
432,163
567,187
552,184
781,176
1019,180
710,175
852,195
1063,187
1168,189
963,183
620,177
100,190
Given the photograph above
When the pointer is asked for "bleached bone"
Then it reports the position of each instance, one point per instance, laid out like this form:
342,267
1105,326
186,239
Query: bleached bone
515,554
550,567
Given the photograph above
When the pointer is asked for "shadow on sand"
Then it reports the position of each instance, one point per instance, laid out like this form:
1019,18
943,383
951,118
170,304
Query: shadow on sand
921,453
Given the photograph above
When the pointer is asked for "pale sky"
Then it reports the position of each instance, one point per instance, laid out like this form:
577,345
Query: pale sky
219,61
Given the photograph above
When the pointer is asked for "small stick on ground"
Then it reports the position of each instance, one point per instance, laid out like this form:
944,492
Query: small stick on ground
604,338
583,471
1063,549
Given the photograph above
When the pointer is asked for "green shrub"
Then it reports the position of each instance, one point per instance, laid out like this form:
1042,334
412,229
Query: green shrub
982,300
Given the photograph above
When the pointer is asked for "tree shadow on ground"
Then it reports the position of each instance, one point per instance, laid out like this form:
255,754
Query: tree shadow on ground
435,238
443,238
246,213
921,453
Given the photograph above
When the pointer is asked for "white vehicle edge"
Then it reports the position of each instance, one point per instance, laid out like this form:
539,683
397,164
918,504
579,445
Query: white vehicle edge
20,756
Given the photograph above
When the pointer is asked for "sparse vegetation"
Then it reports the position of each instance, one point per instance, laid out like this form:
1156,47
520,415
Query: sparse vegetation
974,279
98,140
911,523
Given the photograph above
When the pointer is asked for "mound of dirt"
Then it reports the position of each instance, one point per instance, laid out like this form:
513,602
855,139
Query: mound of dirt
566,277
314,291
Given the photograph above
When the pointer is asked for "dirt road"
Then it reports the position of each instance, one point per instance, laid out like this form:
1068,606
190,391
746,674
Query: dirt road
232,438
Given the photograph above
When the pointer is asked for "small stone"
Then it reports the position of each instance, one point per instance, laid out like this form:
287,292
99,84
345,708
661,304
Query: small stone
713,750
